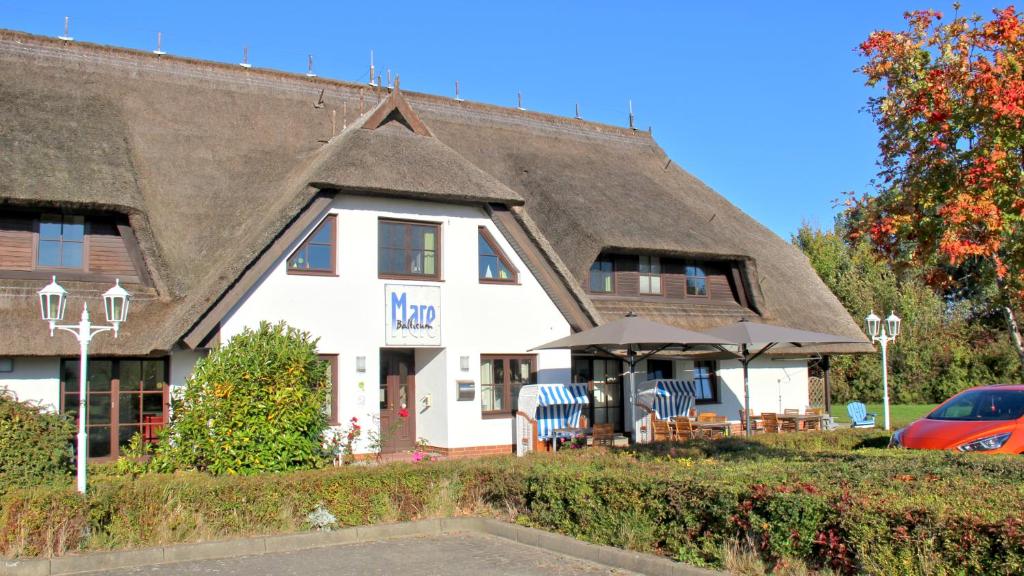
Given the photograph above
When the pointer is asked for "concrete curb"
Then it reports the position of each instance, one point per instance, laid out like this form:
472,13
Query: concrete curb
607,555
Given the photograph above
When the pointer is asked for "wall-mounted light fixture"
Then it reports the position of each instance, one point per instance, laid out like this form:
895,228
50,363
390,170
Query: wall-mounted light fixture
360,363
464,363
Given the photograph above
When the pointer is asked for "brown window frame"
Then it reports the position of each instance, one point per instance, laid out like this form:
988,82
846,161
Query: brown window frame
332,359
407,248
712,366
660,276
332,220
115,398
37,239
506,397
484,233
590,272
686,280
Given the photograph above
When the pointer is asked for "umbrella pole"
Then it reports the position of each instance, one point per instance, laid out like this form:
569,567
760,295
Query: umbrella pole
746,390
631,395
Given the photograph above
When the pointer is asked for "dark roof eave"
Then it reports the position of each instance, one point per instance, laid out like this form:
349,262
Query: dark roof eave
466,199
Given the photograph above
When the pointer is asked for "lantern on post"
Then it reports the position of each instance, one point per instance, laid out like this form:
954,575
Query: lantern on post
884,335
115,304
53,299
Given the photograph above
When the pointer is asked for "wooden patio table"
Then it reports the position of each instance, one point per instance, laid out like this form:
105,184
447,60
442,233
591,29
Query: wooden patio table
725,427
801,420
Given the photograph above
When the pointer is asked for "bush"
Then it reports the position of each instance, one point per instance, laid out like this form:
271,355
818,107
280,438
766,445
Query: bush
254,405
35,445
785,498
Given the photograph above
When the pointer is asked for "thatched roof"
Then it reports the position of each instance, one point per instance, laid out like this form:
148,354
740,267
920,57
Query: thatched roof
212,162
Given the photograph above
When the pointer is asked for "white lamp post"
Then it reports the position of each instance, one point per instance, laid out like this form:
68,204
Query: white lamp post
53,299
884,335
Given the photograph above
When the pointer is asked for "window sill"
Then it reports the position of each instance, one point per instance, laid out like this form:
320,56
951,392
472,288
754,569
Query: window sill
410,277
500,282
495,415
333,273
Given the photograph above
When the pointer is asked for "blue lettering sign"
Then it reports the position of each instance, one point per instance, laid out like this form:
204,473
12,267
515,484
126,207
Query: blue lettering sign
410,318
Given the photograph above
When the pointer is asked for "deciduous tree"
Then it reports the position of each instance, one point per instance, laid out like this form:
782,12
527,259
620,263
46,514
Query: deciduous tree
948,196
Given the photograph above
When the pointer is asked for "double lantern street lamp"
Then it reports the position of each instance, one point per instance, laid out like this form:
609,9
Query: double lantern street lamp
53,299
877,332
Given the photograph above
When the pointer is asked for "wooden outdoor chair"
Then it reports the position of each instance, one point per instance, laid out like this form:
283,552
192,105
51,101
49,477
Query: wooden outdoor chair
814,424
770,420
755,423
662,432
715,433
685,429
707,417
603,434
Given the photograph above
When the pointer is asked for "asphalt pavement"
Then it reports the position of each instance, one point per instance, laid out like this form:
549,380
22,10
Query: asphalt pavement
460,554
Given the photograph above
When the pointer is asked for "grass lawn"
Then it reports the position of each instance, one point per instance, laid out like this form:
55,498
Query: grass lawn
901,414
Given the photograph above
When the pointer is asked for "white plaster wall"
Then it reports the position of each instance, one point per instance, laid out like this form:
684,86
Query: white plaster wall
34,379
431,396
347,313
182,363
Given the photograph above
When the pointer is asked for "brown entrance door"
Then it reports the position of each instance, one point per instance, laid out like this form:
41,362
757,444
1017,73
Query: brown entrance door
397,400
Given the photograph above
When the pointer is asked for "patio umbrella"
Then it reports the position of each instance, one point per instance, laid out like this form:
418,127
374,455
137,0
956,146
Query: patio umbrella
755,338
639,338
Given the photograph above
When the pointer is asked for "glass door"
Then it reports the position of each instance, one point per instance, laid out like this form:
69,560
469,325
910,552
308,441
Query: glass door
605,379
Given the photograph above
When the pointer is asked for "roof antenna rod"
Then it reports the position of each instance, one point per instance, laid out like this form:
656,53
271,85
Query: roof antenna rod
309,67
159,41
457,97
373,73
519,105
578,117
245,58
66,37
390,85
631,115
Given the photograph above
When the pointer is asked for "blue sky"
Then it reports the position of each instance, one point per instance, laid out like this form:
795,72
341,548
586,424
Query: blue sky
757,99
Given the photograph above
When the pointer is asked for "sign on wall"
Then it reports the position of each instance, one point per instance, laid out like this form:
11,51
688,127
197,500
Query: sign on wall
412,315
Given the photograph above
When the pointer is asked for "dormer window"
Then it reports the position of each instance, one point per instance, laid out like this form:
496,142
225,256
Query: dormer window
650,275
696,280
602,275
61,241
317,255
494,265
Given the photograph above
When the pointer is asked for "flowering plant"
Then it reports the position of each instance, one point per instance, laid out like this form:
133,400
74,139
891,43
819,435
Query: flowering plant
422,451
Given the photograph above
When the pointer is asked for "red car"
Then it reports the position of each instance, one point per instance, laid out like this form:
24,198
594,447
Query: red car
983,419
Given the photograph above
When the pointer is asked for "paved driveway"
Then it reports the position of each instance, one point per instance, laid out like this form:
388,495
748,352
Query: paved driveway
451,554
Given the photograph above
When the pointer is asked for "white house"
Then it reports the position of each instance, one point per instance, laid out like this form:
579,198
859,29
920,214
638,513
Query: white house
430,244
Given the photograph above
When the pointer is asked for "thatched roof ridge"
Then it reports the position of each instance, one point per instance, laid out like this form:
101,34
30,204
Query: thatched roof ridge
212,161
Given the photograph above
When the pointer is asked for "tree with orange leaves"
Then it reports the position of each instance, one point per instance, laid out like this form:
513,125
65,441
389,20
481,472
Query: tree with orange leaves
949,196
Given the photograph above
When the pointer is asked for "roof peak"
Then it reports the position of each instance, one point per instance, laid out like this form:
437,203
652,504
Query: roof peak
395,108
26,42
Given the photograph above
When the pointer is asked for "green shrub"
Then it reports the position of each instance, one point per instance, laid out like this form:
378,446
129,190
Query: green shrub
253,405
786,499
35,445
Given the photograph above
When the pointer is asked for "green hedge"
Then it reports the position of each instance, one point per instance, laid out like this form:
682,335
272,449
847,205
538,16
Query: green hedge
849,509
35,445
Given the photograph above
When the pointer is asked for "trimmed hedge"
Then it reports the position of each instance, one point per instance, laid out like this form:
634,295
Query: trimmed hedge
850,510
